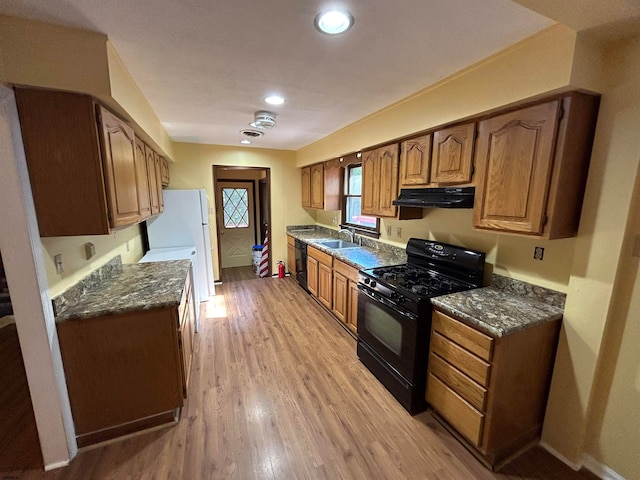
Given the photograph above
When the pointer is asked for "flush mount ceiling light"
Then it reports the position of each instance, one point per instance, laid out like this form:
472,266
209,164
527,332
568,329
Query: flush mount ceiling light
274,100
333,22
263,119
244,141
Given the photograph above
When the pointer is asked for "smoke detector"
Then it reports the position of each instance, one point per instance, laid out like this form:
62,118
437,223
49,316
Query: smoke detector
251,133
263,119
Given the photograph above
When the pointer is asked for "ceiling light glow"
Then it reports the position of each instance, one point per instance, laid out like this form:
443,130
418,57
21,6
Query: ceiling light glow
333,22
274,100
244,141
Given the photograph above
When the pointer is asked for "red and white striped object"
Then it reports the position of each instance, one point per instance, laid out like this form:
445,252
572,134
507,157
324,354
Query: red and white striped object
264,260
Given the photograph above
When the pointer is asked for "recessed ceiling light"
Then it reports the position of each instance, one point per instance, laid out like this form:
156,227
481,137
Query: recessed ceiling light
274,100
244,141
333,22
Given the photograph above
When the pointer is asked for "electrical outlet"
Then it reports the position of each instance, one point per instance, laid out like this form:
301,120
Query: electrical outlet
399,232
126,244
57,259
538,253
388,230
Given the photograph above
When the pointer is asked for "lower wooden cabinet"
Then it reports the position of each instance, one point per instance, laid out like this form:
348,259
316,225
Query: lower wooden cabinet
491,391
345,294
128,371
320,276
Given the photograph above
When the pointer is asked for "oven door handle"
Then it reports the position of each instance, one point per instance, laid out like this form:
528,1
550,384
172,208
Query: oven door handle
387,303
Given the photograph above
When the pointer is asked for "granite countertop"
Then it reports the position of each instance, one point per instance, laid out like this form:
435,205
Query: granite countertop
140,286
497,312
370,255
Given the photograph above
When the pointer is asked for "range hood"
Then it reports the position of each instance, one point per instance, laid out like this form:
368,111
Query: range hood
447,197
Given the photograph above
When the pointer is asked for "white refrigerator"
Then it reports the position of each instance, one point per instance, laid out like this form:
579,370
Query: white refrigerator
184,223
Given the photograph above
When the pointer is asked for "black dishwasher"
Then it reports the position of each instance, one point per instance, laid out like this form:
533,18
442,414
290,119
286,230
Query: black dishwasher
301,263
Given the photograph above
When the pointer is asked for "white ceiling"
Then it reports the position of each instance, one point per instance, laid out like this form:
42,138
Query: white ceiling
205,65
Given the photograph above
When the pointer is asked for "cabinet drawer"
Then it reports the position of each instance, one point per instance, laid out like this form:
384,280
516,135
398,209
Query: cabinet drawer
347,270
291,240
320,256
458,381
466,362
463,335
453,408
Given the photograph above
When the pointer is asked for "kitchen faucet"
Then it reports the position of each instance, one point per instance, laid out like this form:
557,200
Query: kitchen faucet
351,231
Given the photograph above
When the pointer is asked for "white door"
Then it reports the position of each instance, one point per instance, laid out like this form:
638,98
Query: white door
236,223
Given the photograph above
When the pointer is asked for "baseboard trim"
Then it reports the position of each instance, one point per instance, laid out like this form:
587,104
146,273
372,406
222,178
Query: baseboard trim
600,470
559,456
56,465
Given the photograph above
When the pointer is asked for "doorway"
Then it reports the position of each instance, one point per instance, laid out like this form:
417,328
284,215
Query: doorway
242,198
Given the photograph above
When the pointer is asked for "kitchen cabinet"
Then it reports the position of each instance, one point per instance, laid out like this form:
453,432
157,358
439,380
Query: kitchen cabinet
146,182
491,391
415,162
158,166
81,161
532,165
320,276
306,187
345,294
452,161
155,189
291,256
380,181
127,371
164,169
322,187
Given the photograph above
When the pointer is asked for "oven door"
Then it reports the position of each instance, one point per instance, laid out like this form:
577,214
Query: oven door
389,330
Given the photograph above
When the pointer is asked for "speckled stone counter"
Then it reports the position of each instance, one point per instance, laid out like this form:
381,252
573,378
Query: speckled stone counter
139,286
497,312
370,255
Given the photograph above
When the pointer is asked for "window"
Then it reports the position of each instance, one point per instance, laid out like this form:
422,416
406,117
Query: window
235,205
352,200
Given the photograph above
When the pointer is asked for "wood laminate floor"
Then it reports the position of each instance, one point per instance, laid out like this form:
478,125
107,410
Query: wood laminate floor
277,392
236,274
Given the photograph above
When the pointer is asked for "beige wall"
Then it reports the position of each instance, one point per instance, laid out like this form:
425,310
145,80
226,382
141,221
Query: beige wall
536,65
194,169
127,243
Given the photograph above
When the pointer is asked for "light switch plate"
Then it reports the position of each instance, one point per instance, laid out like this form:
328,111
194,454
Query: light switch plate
399,232
388,230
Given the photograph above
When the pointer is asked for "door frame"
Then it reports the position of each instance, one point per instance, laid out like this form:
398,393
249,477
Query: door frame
258,215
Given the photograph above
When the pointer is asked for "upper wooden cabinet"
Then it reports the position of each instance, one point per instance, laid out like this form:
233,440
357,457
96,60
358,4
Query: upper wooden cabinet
532,165
87,175
321,187
164,169
155,189
317,186
415,162
157,160
145,188
380,181
306,187
452,161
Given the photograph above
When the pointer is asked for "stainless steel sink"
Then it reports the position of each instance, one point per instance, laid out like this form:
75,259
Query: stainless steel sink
335,244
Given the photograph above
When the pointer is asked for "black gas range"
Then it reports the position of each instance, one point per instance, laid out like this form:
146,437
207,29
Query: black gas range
394,313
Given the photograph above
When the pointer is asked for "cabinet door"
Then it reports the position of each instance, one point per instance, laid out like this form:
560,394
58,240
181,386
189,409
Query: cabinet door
325,285
154,193
142,177
118,148
340,296
370,183
306,187
317,186
291,260
415,162
453,154
387,180
164,169
156,160
514,160
352,317
312,276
